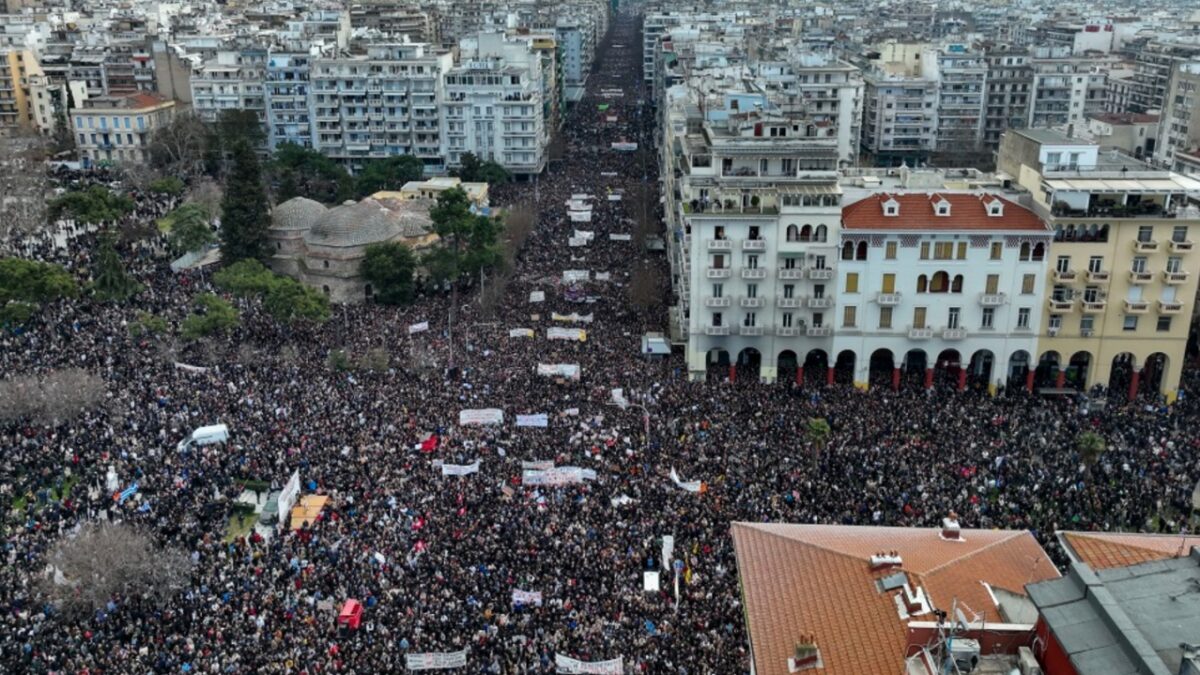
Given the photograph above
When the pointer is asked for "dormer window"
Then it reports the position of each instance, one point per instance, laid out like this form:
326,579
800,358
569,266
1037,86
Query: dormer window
995,208
891,208
943,208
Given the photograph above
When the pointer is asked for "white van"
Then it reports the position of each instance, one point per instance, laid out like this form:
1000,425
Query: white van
217,433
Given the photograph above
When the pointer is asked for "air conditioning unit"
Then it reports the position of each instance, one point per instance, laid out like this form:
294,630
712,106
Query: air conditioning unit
965,654
1028,662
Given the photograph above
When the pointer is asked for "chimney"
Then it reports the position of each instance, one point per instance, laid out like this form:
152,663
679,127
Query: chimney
950,529
885,560
807,656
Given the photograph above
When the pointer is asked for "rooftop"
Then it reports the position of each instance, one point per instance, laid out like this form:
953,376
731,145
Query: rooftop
1123,118
1106,550
817,580
917,211
1050,137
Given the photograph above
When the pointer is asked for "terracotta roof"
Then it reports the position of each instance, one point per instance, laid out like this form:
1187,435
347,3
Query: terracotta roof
1106,550
816,580
145,100
967,212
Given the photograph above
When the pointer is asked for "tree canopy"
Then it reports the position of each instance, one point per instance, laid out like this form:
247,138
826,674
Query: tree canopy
468,242
244,219
190,229
303,172
96,204
472,170
212,315
26,284
387,174
112,282
389,268
285,299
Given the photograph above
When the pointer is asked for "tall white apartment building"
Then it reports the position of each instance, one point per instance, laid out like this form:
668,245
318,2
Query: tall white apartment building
962,78
232,80
900,118
493,105
1179,126
578,47
380,104
753,207
285,99
1065,89
937,285
828,90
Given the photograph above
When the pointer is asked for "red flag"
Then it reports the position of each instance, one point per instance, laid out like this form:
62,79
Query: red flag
429,444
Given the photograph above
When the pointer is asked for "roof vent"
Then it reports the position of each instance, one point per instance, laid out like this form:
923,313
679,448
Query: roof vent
950,529
807,656
912,602
885,560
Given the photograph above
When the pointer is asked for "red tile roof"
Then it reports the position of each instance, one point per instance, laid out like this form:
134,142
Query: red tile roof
1106,550
816,580
917,213
145,100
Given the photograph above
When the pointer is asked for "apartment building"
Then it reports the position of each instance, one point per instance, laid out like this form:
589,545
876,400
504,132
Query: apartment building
1065,88
1153,63
900,119
286,90
493,105
938,286
1122,287
14,90
962,84
753,205
118,129
379,104
1008,81
1179,125
233,80
827,90
654,27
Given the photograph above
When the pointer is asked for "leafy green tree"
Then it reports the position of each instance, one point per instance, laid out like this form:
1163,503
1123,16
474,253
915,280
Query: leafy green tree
389,268
817,432
169,185
244,219
96,204
387,174
473,170
302,172
147,324
467,242
245,278
290,301
1089,445
27,284
190,229
112,282
212,315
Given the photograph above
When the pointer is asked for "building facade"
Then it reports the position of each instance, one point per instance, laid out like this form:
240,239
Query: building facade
110,129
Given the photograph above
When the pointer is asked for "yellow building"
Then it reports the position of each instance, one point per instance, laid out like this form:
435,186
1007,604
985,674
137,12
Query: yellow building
430,188
1122,281
14,92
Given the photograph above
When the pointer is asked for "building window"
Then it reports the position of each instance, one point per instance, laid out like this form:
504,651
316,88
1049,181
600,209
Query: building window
885,317
1063,264
1086,324
716,319
1179,233
717,289
1145,233
918,317
849,316
1055,322
751,290
952,317
752,262
1023,318
943,250
992,285
988,319
818,319
924,250
1130,322
789,290
852,282
1174,265
1164,324
1139,264
1096,264
889,250
1027,282
997,250
751,320
786,320
962,250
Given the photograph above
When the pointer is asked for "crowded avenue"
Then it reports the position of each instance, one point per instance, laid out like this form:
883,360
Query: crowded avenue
480,561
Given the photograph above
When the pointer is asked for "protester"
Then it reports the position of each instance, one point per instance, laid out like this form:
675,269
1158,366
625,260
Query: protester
435,559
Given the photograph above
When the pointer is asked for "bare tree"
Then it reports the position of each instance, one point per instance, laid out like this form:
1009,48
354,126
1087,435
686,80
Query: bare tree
106,561
58,397
178,148
25,187
206,193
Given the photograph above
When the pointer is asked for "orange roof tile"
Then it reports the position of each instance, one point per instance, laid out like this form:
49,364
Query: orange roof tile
967,212
1106,550
815,580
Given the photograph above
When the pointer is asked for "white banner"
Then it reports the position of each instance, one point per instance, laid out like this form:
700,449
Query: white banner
537,465
689,485
622,500
573,317
191,368
620,237
418,327
611,118
570,666
650,582
585,234
288,497
537,296
668,551
624,147
435,660
481,416
520,597
614,198
521,332
566,334
580,195
576,242
538,420
618,397
608,173
572,276
460,469
603,276
571,371
581,216
562,475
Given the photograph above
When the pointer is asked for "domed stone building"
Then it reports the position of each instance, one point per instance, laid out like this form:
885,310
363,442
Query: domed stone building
323,247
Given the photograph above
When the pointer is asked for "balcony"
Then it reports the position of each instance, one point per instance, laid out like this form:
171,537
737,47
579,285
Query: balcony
993,299
754,273
1060,305
716,330
717,302
819,331
888,299
820,274
1169,307
719,273
954,334
720,245
751,302
1099,277
1181,246
919,333
1175,278
754,244
1145,246
1067,277
752,331
1136,277
789,303
1136,306
790,331
791,273
820,303
1094,306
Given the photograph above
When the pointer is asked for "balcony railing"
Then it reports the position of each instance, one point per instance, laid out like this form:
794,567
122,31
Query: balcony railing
1136,306
1175,278
954,334
915,333
1181,246
820,274
820,303
789,303
1066,277
751,302
819,331
716,330
754,244
754,273
752,331
1094,306
1100,277
888,299
719,273
993,299
1169,307
1058,305
720,245
1136,277
1145,246
717,302
789,331
791,273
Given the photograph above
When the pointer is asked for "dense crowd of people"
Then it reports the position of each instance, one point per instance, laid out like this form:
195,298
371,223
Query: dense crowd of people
434,559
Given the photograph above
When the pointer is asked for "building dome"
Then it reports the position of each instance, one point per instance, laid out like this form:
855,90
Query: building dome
298,213
368,222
